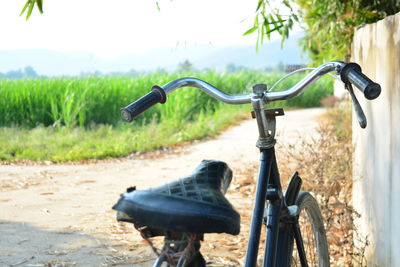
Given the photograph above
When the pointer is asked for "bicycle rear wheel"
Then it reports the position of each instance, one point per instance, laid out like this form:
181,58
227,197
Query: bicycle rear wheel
312,232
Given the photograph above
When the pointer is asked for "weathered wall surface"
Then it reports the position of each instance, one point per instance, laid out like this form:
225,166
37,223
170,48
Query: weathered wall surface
376,193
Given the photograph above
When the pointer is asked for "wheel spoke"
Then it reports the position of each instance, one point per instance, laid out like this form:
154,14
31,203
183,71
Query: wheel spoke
311,233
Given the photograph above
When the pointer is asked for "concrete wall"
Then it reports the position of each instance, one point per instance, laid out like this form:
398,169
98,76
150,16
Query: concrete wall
376,193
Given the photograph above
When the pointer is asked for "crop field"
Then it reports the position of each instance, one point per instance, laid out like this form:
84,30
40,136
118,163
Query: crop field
78,118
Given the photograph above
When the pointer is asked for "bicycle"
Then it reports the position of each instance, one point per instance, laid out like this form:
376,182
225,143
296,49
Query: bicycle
184,210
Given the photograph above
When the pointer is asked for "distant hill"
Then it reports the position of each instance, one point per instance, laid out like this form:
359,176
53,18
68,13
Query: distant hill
52,63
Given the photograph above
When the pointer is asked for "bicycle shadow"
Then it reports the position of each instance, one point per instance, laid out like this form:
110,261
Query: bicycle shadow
23,243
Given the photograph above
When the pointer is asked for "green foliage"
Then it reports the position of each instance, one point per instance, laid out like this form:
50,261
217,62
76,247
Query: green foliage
84,102
30,4
268,19
105,141
78,118
329,25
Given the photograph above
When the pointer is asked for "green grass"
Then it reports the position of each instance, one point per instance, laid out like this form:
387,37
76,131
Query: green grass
105,141
75,119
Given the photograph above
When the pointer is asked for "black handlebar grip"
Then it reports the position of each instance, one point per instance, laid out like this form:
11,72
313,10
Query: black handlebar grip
351,73
157,95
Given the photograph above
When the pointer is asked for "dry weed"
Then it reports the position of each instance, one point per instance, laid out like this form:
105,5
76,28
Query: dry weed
330,101
325,164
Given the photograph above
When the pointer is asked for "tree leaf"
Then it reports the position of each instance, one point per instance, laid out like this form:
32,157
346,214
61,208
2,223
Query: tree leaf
29,12
260,3
262,33
251,30
39,4
25,7
29,5
267,28
274,29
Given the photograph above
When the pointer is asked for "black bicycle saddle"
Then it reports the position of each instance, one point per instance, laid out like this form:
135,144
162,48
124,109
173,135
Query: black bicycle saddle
194,204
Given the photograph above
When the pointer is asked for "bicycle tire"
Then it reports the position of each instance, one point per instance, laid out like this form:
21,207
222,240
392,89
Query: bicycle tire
313,235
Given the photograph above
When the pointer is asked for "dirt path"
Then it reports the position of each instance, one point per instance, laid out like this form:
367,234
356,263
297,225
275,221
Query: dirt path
60,215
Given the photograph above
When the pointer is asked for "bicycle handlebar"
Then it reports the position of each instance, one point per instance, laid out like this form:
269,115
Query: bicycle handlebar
349,73
208,89
157,95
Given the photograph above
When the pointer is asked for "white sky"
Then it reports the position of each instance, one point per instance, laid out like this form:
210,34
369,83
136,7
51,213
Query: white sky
118,27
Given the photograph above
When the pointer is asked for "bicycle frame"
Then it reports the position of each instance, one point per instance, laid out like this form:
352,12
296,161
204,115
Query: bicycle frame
269,189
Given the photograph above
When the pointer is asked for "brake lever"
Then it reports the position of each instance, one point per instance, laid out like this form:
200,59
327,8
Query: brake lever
362,120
